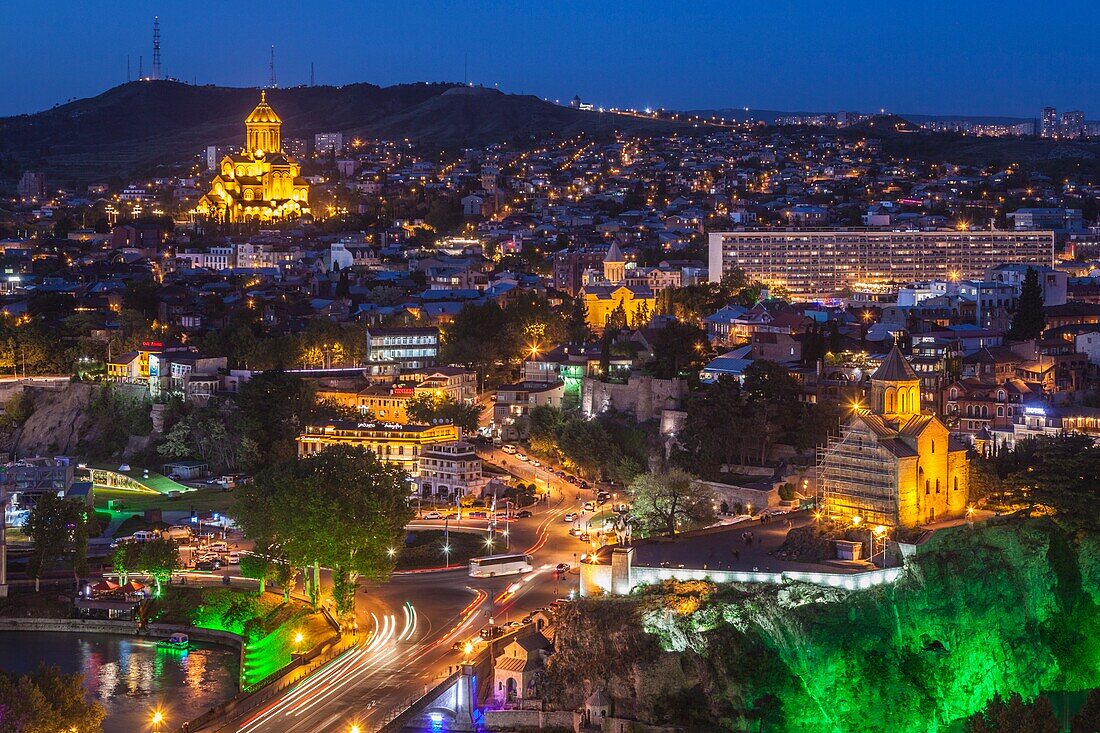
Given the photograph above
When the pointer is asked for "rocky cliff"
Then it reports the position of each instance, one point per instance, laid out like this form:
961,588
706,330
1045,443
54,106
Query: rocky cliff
1011,606
86,420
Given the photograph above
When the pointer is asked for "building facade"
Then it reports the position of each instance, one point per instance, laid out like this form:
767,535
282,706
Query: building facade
449,470
391,442
821,263
407,348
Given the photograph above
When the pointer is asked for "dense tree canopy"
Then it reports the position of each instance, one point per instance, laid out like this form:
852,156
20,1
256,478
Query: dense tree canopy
342,509
666,503
59,528
47,701
1028,322
429,410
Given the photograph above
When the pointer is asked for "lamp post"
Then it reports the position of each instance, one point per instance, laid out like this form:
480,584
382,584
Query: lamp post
157,720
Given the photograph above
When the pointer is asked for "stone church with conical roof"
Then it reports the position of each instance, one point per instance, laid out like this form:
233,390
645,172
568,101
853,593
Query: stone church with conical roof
604,295
894,465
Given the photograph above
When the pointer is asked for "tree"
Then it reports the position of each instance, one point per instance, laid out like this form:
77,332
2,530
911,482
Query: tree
430,409
678,347
616,319
1028,322
663,502
1087,719
1014,716
342,508
59,528
159,559
275,406
47,701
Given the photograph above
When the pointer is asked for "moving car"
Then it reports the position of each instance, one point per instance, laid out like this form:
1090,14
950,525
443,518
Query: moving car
536,462
433,515
521,457
570,517
524,514
509,449
590,506
562,567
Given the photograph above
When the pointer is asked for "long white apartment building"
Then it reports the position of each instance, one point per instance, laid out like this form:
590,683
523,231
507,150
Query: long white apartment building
825,262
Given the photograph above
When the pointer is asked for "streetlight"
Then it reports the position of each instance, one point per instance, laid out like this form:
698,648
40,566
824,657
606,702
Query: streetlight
391,552
158,718
447,555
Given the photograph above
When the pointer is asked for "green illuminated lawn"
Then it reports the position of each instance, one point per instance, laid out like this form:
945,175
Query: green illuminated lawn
213,499
269,626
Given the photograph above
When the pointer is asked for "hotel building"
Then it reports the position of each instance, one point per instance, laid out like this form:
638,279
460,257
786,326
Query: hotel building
823,263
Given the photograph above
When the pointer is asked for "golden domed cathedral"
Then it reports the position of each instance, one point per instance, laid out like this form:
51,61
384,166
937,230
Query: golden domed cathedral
261,183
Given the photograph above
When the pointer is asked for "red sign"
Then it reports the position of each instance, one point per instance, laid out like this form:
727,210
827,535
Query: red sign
152,344
404,390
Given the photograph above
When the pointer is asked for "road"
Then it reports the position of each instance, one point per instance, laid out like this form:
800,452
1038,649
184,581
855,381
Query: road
410,623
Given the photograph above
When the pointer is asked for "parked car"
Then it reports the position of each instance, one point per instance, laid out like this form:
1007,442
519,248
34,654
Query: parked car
219,546
559,474
590,506
433,515
180,532
491,632
234,558
536,462
146,536
509,449
562,567
584,484
570,517
208,564
571,479
521,457
524,514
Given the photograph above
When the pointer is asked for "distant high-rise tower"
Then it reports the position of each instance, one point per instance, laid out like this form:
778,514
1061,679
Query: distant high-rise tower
1048,124
274,84
1073,124
156,47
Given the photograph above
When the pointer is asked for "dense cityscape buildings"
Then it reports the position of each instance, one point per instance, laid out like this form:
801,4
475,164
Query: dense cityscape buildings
435,407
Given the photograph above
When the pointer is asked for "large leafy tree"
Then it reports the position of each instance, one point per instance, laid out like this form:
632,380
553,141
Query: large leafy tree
678,347
1015,716
59,529
159,559
47,701
275,406
666,502
430,409
1028,322
342,509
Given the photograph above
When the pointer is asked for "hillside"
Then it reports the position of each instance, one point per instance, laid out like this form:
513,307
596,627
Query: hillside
1007,606
134,128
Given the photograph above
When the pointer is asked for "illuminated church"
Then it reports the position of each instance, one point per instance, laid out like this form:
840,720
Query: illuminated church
260,183
893,465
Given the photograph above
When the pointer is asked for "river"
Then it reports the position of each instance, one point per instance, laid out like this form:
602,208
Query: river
129,676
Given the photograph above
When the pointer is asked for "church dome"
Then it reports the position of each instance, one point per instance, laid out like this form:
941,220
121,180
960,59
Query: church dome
263,112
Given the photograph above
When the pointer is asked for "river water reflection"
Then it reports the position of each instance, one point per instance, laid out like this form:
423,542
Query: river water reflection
130,676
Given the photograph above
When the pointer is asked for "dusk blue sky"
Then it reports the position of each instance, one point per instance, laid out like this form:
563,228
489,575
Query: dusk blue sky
1004,58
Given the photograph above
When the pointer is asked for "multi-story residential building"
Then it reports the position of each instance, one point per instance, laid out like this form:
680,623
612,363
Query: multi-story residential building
1069,221
821,263
325,143
1041,420
514,401
402,348
449,470
1073,124
1054,283
1048,122
971,405
392,442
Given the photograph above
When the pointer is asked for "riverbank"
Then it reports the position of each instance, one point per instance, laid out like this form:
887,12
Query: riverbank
126,673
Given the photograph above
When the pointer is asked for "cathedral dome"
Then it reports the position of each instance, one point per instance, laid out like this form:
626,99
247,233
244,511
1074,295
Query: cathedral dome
263,113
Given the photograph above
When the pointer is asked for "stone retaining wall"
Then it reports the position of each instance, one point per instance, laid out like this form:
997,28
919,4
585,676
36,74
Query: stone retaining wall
511,720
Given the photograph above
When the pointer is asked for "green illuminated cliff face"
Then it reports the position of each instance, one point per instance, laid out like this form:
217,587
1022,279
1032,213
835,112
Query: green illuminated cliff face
1010,607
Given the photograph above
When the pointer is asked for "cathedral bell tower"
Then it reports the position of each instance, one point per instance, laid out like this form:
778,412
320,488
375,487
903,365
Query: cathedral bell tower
895,388
263,129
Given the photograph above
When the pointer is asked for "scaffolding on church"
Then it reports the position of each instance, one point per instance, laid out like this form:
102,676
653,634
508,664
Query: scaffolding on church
857,477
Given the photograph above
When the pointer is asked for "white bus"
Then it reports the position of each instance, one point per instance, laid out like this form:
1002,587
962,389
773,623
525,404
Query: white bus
491,565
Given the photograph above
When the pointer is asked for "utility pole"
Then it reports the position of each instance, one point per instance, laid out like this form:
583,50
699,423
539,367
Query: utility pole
274,84
311,73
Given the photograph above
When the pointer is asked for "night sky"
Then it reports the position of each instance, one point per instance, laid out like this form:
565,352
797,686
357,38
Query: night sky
999,58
